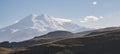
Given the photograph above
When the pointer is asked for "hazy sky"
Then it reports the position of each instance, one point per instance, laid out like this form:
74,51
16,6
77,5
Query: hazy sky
89,13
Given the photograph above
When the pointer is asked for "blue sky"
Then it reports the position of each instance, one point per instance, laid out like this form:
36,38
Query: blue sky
89,13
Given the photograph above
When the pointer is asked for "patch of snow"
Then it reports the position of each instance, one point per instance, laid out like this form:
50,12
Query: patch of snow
34,25
3,30
14,30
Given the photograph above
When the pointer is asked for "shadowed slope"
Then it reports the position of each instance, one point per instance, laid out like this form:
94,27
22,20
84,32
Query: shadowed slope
102,43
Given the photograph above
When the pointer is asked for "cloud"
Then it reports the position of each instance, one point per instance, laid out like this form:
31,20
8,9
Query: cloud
16,21
94,2
61,20
91,18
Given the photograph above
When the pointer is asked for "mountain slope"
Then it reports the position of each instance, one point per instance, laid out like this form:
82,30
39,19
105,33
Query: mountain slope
47,38
102,43
34,25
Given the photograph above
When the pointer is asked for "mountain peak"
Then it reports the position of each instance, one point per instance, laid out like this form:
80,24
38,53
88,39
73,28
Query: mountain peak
44,16
34,25
29,18
33,15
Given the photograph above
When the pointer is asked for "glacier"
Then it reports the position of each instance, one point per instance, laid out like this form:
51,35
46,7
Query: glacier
36,25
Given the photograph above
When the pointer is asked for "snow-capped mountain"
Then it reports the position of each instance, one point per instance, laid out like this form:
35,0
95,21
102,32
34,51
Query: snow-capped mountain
34,25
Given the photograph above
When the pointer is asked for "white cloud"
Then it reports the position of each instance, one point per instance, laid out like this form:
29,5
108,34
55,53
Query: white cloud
101,17
16,21
94,2
61,20
91,18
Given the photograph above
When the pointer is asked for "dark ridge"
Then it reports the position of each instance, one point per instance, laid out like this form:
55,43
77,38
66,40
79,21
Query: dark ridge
104,43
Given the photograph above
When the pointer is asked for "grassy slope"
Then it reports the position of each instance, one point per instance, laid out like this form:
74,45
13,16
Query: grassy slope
5,50
100,43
